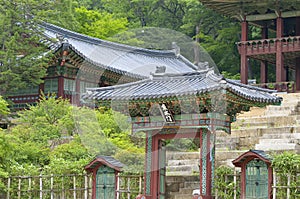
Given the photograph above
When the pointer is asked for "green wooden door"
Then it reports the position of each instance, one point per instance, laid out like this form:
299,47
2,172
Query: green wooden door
256,180
162,169
105,183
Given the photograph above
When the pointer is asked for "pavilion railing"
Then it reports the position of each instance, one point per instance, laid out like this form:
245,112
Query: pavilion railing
289,87
254,47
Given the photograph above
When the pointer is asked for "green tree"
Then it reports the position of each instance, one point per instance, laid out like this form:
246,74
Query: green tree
23,60
99,24
4,110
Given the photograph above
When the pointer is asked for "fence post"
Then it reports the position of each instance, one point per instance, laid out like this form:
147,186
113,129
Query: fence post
86,186
19,188
62,187
51,187
41,186
128,188
118,186
274,185
29,187
8,188
74,187
234,181
140,184
288,190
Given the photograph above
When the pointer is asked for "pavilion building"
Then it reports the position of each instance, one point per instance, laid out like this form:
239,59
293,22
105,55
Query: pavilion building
81,62
279,45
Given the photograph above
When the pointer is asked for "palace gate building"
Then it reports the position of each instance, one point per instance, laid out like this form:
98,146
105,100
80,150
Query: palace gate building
279,22
173,106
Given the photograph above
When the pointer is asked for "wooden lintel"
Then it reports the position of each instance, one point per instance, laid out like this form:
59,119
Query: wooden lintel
288,14
260,17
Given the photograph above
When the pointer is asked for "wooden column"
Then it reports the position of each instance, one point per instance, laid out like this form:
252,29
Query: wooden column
151,166
243,52
298,58
280,72
41,88
206,163
264,64
60,92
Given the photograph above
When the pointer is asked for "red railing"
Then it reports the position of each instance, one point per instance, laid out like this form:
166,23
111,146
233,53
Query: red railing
268,46
289,87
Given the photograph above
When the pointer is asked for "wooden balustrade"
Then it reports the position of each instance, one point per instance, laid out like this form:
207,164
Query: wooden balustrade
267,46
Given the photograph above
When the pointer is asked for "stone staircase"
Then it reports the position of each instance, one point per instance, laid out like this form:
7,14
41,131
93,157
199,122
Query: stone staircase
274,128
182,163
181,187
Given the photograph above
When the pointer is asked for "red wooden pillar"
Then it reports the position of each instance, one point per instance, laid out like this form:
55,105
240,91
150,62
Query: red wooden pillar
264,64
280,72
60,92
298,58
243,52
206,164
76,96
41,88
152,166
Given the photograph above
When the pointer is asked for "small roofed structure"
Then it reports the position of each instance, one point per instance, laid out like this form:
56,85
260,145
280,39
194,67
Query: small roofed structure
105,170
256,174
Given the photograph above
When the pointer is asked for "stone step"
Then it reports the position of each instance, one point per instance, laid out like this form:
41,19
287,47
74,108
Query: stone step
265,122
183,162
188,190
182,155
278,141
183,196
192,185
183,168
182,179
282,135
278,147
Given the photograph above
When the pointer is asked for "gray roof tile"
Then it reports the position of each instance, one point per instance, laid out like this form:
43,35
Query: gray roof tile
120,58
172,85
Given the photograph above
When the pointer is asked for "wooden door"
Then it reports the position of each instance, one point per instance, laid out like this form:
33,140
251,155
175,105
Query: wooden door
256,180
105,183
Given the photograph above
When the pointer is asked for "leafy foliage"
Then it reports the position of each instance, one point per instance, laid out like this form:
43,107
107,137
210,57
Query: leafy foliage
23,60
287,167
224,182
99,24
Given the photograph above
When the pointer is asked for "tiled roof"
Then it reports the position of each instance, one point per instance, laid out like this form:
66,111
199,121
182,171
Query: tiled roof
105,160
119,58
172,85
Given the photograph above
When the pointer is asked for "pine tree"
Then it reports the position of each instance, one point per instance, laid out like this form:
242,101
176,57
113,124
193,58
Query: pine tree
23,57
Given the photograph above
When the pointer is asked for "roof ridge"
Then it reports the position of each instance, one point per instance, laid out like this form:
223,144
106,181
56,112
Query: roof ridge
109,44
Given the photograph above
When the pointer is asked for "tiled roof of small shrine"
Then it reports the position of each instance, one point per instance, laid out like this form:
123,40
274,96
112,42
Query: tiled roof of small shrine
105,160
122,59
175,85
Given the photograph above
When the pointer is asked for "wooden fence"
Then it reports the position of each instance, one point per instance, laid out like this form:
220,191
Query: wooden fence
128,186
64,187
